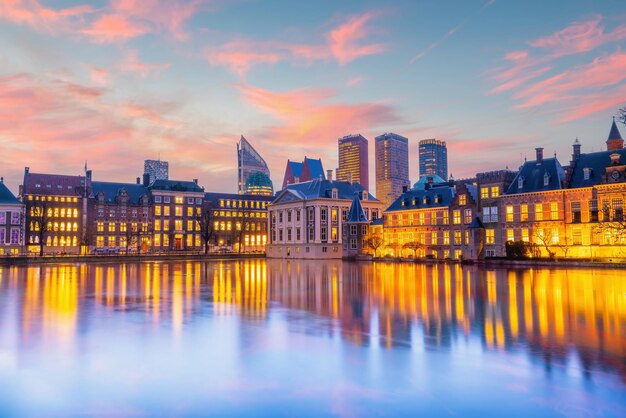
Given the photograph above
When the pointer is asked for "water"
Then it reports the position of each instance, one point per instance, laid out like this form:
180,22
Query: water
300,339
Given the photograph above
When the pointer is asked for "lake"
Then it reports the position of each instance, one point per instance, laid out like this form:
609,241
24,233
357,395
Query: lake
310,338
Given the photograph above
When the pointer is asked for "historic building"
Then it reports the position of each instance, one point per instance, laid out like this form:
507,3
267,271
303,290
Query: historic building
177,206
56,212
239,222
11,222
306,219
121,220
307,170
355,229
392,167
353,160
432,221
491,185
249,162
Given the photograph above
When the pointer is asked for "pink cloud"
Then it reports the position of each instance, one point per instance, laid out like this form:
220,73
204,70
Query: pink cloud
100,76
241,56
516,55
345,41
355,81
114,28
132,64
32,13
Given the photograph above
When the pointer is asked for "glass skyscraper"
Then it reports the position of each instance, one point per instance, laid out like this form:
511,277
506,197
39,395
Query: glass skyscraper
353,160
249,162
433,156
156,170
392,167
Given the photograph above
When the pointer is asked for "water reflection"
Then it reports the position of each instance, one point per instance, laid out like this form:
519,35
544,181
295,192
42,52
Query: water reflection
554,316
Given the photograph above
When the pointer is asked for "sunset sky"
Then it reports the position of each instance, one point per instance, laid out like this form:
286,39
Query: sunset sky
116,82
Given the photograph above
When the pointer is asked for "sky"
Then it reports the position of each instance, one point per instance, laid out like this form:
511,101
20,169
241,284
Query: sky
115,82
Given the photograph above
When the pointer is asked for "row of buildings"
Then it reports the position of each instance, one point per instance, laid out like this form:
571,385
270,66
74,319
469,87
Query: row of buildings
544,209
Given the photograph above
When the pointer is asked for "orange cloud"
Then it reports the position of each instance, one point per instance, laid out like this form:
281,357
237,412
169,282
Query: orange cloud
345,41
240,56
132,64
32,13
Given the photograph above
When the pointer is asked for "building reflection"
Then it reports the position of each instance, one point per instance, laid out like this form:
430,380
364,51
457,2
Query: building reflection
549,313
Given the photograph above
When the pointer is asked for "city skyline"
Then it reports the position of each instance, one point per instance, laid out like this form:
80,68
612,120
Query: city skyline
116,83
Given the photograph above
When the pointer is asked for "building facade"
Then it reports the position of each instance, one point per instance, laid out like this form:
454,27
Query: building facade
240,222
392,167
155,170
11,222
249,161
306,219
354,160
433,158
491,186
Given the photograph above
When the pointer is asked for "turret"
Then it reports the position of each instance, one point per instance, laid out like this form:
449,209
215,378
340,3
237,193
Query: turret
614,141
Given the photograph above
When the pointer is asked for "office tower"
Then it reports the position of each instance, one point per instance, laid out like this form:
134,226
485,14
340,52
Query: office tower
392,167
433,155
353,160
248,162
155,170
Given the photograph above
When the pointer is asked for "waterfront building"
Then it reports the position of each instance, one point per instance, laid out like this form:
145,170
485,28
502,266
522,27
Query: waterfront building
392,167
120,218
177,206
306,219
355,229
354,160
155,170
11,222
432,221
239,222
249,161
55,212
307,170
433,158
491,185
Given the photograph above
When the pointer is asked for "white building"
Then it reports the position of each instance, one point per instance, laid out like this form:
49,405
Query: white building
306,219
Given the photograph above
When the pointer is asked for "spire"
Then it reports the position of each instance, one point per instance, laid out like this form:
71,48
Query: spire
614,141
356,213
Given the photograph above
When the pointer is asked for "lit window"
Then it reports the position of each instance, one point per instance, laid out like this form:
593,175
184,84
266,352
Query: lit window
462,199
495,191
509,213
490,236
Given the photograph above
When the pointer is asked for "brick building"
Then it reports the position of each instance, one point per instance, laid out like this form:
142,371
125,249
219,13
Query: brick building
11,222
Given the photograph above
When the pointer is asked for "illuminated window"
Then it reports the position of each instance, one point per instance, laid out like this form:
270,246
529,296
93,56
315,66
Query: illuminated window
555,236
523,212
190,211
100,226
456,217
178,225
178,211
189,240
462,199
577,236
490,236
554,211
484,192
457,238
510,234
99,241
166,210
446,217
178,200
111,227
157,210
433,238
446,237
111,241
189,225
539,211
509,213
495,191
166,226
525,236
166,240
157,224
333,233
333,215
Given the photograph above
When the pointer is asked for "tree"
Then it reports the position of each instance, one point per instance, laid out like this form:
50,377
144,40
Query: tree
204,220
40,224
412,246
612,226
621,114
546,240
374,243
517,249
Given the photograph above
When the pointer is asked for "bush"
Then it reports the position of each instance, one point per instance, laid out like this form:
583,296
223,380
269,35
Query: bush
518,249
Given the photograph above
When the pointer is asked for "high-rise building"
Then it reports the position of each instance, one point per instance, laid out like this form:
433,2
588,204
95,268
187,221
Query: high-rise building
155,170
392,167
433,155
353,160
249,161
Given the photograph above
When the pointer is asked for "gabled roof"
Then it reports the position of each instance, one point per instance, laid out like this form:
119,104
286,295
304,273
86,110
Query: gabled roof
533,175
596,163
6,197
356,213
437,196
111,190
296,168
176,185
315,189
614,133
316,170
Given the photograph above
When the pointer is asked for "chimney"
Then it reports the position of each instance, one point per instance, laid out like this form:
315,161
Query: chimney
329,175
195,181
146,179
138,180
576,150
539,152
26,170
350,177
1,179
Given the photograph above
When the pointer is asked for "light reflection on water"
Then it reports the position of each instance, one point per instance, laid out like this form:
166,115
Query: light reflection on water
290,338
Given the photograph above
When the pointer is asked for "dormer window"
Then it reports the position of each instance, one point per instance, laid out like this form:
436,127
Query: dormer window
520,182
335,193
586,173
546,179
364,194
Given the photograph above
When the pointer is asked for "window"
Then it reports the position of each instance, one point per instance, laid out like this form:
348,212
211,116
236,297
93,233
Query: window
178,211
288,216
111,241
490,237
520,182
353,229
554,211
323,233
297,234
510,234
15,235
280,216
546,179
280,235
525,236
166,199
577,236
111,226
618,210
190,200
456,217
555,236
166,226
323,214
490,214
166,211
446,217
523,212
484,192
178,200
467,216
333,215
509,213
189,211
100,226
157,199
462,199
99,241
457,238
297,215
189,225
288,234
353,243
586,173
495,191
433,238
123,226
576,218
538,211
333,233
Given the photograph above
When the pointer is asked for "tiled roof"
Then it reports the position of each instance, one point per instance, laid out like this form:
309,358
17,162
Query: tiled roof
323,189
428,179
296,168
53,184
437,196
533,175
111,190
356,213
596,163
614,133
176,185
315,168
6,197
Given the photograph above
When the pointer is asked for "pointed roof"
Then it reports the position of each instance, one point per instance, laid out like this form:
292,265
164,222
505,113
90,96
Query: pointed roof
476,223
356,213
614,133
6,197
